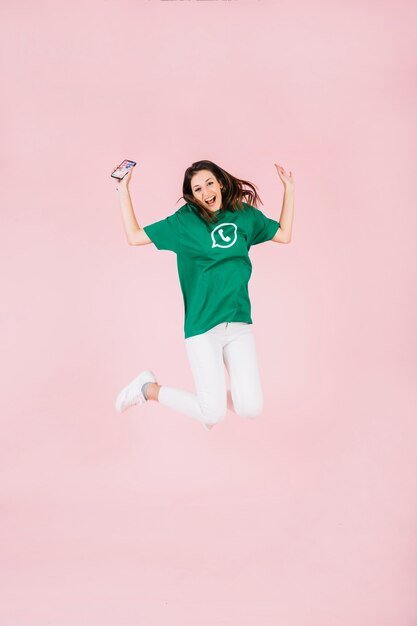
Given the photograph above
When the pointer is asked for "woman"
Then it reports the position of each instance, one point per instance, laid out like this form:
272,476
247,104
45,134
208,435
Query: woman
211,235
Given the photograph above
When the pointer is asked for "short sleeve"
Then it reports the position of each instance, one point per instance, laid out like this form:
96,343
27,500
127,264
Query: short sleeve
263,227
164,233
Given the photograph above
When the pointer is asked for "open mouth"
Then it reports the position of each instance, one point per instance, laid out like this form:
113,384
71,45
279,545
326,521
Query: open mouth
211,200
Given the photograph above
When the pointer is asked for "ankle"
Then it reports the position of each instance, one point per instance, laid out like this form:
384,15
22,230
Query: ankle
152,391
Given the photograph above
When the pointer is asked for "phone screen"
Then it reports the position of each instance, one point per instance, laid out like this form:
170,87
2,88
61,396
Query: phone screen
122,169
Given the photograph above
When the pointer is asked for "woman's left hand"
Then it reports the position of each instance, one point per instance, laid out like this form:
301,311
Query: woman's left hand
287,179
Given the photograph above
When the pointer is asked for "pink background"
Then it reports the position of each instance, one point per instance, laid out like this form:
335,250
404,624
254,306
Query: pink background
307,515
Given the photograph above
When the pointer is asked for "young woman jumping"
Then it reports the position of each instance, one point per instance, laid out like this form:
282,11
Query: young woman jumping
211,234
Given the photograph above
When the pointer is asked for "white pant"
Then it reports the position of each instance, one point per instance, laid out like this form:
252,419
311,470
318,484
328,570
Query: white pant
231,344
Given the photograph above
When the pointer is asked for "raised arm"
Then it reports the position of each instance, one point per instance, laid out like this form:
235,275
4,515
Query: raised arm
135,235
284,233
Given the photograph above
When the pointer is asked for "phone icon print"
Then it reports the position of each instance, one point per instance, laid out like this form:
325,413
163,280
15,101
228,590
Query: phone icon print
224,237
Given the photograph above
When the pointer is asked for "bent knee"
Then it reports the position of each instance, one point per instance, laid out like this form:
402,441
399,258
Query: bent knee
214,418
214,415
250,411
213,408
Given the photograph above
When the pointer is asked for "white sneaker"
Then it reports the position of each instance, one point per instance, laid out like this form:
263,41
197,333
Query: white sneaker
132,393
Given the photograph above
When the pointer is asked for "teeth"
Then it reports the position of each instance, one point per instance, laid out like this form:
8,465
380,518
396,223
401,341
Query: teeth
209,199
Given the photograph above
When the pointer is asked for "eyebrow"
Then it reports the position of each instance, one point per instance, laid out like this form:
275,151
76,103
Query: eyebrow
210,178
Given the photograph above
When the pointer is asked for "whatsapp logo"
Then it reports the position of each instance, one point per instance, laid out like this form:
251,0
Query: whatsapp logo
224,235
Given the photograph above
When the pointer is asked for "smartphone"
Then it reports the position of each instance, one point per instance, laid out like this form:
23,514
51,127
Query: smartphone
122,169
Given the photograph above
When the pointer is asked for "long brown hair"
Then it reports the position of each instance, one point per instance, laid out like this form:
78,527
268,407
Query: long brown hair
233,192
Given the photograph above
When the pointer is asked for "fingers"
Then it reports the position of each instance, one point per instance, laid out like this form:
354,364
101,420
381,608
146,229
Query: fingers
281,169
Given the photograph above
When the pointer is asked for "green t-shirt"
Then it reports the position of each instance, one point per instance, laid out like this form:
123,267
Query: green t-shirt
213,261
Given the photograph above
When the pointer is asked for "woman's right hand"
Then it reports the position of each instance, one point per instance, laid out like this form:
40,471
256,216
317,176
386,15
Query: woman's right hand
123,185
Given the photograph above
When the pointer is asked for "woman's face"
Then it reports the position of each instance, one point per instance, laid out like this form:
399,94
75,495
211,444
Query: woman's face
205,186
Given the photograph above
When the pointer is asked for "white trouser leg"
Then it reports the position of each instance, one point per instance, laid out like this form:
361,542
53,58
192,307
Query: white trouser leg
208,405
231,344
241,361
